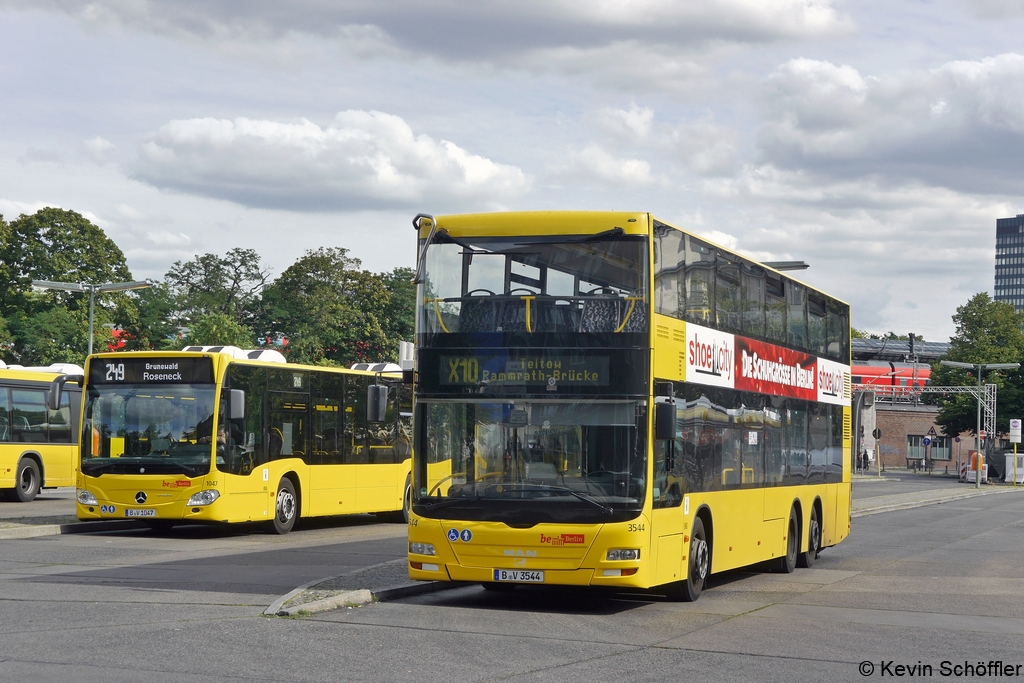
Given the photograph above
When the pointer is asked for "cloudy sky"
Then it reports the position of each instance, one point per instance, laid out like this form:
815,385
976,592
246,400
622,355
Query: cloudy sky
877,140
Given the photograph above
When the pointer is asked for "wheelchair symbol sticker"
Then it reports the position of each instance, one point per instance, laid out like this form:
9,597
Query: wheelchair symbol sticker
453,535
466,536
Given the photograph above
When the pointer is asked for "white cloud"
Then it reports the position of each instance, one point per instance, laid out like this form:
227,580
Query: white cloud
703,145
492,30
996,9
362,159
594,163
11,209
99,149
960,125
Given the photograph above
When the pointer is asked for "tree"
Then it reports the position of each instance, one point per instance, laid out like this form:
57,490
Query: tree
217,329
328,310
150,322
229,284
54,244
398,318
987,331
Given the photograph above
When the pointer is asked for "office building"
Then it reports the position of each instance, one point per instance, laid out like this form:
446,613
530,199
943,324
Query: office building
1010,261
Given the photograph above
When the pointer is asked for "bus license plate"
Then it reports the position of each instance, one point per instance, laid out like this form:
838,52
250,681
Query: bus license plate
518,575
140,513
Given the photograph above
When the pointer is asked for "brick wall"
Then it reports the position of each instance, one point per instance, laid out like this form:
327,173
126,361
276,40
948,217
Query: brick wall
897,422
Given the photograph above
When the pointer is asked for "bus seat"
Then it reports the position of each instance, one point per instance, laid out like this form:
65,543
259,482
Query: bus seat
276,442
478,314
637,321
600,315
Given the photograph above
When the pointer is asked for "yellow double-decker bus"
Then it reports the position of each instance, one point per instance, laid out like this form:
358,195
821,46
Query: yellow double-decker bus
604,399
218,434
37,443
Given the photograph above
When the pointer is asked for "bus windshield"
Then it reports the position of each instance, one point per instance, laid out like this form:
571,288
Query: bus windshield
148,429
567,283
529,461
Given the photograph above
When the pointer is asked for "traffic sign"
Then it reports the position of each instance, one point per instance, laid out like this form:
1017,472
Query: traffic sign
1014,431
982,434
877,433
931,432
926,441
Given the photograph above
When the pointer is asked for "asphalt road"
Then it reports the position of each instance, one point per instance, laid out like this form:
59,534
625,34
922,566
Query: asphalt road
923,585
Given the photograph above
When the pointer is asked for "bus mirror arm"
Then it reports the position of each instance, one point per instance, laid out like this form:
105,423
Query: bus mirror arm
665,420
57,389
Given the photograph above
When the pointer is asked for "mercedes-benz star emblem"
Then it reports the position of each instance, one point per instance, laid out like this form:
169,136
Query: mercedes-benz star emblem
140,497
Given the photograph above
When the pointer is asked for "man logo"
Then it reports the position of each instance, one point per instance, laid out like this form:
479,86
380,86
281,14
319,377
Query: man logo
520,553
140,497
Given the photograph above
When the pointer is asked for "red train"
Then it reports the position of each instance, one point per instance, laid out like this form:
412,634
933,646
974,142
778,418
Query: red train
897,378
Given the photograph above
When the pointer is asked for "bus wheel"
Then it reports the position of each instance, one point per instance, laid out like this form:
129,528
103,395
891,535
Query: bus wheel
787,563
28,480
699,565
813,541
286,509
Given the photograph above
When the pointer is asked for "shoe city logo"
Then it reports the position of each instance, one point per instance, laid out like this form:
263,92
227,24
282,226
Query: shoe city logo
564,539
714,358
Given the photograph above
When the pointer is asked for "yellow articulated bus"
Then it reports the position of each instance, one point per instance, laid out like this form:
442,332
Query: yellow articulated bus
603,399
37,443
218,434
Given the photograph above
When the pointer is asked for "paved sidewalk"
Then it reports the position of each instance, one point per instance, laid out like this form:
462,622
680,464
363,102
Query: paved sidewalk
900,501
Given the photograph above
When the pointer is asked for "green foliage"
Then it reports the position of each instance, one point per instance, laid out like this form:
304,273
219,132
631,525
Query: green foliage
328,310
228,284
217,329
398,318
987,331
59,245
150,322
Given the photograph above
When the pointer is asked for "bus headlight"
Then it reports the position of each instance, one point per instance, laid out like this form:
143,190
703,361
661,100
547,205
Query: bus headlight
86,498
627,554
203,498
422,549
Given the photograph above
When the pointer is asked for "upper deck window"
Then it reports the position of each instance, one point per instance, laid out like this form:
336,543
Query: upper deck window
566,283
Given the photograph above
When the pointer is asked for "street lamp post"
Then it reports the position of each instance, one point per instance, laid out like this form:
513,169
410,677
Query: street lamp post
93,290
980,368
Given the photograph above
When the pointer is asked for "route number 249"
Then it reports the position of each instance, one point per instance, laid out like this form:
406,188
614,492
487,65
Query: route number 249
115,372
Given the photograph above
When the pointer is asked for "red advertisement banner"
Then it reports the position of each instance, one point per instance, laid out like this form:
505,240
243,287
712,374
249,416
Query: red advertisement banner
770,369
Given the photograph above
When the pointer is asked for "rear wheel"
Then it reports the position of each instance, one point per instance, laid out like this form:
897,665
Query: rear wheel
813,541
698,566
28,480
286,509
787,563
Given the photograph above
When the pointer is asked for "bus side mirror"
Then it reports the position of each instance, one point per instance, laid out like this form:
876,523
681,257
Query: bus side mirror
236,405
57,389
376,403
664,421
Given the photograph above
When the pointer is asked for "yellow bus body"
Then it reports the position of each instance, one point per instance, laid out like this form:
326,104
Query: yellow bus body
749,525
56,461
323,489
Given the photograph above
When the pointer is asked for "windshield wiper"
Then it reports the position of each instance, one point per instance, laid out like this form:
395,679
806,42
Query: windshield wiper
565,489
447,502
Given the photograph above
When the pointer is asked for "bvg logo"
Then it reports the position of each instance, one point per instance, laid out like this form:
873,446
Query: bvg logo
564,539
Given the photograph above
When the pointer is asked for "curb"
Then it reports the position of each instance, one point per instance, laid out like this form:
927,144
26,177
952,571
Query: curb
37,530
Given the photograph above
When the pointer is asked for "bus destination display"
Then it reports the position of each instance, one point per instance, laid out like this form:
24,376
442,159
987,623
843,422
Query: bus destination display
500,370
151,371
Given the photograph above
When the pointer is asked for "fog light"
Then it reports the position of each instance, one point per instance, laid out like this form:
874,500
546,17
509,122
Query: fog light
203,498
422,549
620,554
430,567
86,498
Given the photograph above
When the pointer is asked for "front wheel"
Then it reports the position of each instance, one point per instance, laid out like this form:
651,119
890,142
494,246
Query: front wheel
698,566
286,509
813,541
28,480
